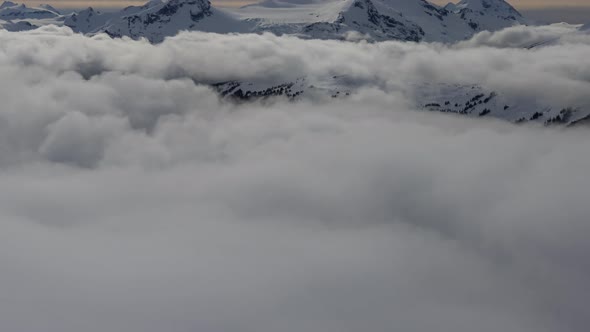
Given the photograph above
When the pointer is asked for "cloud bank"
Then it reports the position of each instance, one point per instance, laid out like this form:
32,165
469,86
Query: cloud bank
133,199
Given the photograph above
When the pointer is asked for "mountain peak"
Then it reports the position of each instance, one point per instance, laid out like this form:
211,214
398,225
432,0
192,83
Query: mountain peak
87,20
49,7
7,4
10,10
363,16
376,20
158,20
490,15
488,5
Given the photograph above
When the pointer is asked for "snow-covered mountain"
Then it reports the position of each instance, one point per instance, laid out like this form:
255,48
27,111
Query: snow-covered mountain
330,20
50,8
335,20
465,100
410,20
12,11
88,20
382,19
487,15
157,20
17,26
362,16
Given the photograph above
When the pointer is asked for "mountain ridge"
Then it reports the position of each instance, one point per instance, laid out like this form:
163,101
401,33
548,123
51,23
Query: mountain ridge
373,20
10,11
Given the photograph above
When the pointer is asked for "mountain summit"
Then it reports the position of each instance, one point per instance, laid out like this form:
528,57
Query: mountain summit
13,11
382,19
156,20
376,20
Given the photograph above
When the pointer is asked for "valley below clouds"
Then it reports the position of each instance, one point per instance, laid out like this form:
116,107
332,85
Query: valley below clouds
135,198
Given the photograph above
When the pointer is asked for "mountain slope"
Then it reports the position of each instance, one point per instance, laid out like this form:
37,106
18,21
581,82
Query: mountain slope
374,20
383,19
363,17
50,8
438,23
11,11
157,20
88,20
464,100
17,26
488,15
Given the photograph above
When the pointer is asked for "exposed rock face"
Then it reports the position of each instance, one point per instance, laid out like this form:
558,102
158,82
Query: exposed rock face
17,26
12,11
489,15
415,20
161,19
87,20
465,100
374,20
362,16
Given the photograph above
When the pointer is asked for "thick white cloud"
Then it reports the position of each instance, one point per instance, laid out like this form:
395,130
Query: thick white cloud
523,36
133,199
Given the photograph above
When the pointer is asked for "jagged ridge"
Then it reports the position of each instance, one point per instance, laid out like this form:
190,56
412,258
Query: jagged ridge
408,20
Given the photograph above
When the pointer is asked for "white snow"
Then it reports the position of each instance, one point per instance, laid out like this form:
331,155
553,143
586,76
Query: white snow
10,10
17,25
88,20
156,20
284,12
415,20
449,24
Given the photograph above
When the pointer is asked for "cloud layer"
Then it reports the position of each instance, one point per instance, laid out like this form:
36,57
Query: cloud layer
133,199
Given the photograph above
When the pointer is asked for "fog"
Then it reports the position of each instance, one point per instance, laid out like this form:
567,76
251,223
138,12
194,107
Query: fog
132,198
